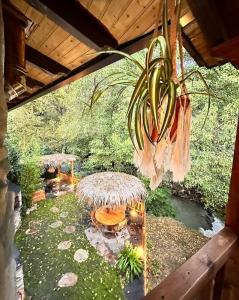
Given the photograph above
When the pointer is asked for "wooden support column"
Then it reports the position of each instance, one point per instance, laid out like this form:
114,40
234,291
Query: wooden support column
72,172
232,212
7,265
231,285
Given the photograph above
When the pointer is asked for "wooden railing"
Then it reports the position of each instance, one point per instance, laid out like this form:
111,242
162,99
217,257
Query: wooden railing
210,274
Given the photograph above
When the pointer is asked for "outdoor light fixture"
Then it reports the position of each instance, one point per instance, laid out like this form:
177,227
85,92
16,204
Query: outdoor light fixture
133,213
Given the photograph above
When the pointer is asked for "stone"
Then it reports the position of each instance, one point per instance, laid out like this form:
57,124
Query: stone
64,245
67,280
56,224
81,255
31,231
64,214
54,209
69,229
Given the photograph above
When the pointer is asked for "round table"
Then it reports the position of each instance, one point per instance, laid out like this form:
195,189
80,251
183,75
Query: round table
108,216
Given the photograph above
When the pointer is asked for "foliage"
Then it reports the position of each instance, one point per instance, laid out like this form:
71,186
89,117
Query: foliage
129,263
158,204
100,139
44,264
29,182
212,147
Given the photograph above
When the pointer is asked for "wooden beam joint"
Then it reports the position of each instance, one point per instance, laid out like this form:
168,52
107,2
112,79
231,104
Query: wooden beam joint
44,62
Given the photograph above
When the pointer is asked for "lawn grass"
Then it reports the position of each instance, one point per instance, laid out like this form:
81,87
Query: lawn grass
44,264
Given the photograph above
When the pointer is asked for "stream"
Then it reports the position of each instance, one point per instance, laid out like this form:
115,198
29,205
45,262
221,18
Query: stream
194,216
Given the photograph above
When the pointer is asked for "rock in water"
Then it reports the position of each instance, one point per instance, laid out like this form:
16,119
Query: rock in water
81,255
68,279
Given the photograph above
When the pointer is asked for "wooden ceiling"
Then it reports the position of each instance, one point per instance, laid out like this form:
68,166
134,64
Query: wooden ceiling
59,51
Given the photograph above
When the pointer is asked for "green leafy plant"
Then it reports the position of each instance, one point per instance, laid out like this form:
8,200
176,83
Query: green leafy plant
29,182
157,203
129,263
157,88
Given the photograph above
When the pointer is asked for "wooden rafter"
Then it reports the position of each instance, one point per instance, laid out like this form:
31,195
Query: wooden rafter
44,62
33,83
94,65
77,20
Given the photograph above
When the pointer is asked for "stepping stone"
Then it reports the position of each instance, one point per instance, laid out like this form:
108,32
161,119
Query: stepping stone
68,279
56,224
81,255
64,245
64,214
31,231
55,209
69,229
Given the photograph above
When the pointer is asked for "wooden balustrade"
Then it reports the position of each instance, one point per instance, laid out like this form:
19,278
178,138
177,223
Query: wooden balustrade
202,276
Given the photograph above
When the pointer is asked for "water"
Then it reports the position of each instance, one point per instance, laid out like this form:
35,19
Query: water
193,215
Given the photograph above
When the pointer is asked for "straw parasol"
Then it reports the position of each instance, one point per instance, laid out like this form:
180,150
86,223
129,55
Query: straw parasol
58,158
110,189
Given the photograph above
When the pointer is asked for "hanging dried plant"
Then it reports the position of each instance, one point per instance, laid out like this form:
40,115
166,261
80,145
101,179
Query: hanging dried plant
159,111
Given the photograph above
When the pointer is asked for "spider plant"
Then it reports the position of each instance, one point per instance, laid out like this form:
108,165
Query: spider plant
129,263
156,90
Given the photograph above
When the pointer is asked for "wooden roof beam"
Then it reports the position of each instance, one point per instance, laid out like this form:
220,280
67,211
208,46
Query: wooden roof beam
33,83
44,62
95,64
77,20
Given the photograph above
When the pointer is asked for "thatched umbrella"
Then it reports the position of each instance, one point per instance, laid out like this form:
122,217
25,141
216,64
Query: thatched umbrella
58,158
111,189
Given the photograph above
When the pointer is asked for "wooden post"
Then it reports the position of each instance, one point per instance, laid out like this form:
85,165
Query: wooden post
231,285
232,212
72,172
7,264
59,168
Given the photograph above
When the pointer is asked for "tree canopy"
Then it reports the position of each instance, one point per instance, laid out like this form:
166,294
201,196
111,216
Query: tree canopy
61,121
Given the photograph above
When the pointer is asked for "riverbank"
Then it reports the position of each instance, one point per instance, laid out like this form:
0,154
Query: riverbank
169,244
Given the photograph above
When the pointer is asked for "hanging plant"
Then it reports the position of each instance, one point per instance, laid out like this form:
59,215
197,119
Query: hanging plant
159,111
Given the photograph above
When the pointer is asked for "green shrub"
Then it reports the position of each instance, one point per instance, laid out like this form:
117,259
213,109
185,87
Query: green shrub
157,203
29,182
129,263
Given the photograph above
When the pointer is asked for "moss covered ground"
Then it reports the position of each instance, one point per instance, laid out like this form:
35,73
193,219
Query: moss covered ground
44,264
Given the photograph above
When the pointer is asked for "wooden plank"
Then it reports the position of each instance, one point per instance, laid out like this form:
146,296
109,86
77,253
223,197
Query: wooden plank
65,47
98,8
218,286
82,59
44,62
142,24
189,279
73,54
54,40
207,292
73,17
41,33
231,282
133,12
114,12
20,4
232,211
